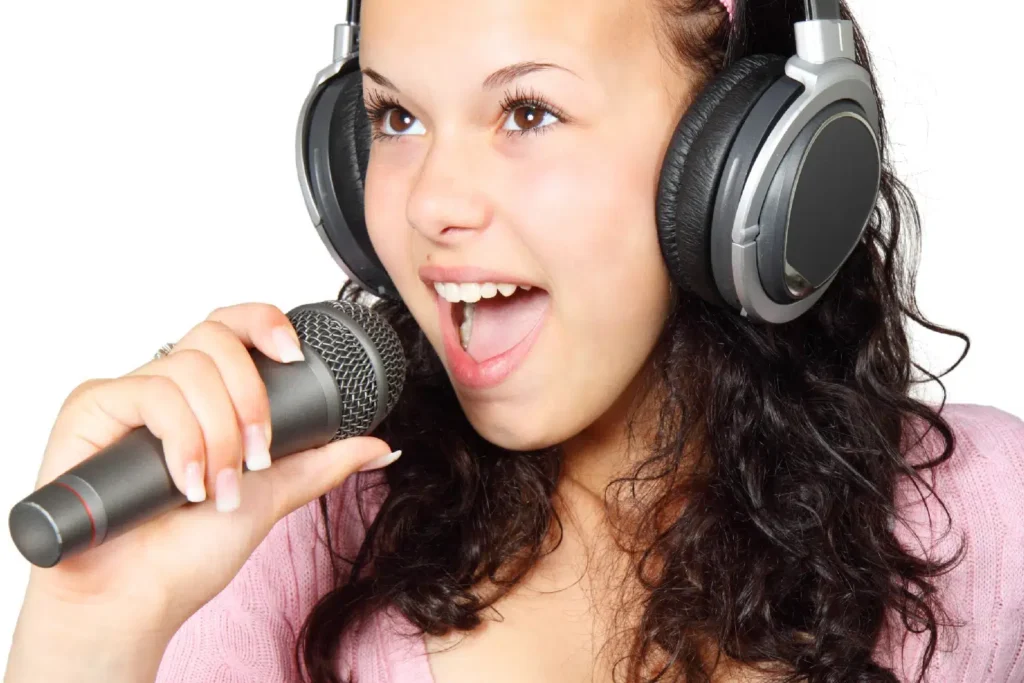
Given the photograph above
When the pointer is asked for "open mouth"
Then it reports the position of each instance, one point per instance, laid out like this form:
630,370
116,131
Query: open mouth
490,319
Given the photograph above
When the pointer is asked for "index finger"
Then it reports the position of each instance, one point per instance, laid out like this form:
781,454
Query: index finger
263,326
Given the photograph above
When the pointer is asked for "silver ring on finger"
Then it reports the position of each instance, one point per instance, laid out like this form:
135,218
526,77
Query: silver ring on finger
163,351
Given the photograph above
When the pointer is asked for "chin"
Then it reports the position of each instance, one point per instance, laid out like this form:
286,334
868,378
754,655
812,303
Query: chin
523,429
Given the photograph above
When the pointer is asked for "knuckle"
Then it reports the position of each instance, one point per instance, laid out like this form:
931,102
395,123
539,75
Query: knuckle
224,444
163,392
242,379
214,328
256,312
195,360
249,389
268,309
218,313
253,403
210,333
83,389
193,446
269,316
162,387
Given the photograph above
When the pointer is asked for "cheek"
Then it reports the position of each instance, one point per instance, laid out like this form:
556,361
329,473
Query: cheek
388,179
593,219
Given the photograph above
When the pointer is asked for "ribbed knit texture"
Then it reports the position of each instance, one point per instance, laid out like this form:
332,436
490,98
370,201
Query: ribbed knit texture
247,633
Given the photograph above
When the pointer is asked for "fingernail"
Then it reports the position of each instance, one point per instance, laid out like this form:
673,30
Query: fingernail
195,488
229,496
382,461
287,347
257,456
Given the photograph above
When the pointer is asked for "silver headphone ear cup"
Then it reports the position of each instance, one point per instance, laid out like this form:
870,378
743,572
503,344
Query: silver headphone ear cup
780,256
755,129
819,203
337,154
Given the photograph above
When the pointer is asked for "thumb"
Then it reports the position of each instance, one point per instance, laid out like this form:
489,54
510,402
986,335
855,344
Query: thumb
304,476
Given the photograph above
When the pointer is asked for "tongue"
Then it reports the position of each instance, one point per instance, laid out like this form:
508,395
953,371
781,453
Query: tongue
502,322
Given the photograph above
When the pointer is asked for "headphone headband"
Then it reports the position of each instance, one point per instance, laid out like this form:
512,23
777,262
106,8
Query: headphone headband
352,11
818,9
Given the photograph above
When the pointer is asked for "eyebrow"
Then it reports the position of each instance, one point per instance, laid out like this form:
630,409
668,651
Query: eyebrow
502,76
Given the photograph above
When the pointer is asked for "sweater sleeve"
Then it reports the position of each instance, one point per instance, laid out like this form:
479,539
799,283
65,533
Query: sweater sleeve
247,633
982,487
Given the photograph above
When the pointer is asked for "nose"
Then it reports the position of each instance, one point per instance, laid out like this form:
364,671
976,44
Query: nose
447,203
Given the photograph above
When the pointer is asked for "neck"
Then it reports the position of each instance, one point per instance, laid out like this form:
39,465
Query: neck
617,442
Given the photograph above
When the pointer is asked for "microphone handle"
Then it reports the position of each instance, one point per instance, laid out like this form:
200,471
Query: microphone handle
128,483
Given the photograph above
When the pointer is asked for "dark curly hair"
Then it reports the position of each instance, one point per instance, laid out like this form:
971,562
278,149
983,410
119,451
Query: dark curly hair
795,438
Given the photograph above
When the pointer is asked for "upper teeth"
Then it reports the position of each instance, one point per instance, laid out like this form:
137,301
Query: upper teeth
471,292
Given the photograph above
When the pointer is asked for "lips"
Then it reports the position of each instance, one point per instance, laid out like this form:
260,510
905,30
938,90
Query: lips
508,314
505,338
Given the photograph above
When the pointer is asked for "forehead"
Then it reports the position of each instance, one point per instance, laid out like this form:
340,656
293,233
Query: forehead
476,34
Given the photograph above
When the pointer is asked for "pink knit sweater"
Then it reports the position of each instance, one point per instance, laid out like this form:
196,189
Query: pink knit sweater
247,633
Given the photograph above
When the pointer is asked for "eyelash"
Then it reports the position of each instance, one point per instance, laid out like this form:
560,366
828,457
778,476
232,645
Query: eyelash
379,104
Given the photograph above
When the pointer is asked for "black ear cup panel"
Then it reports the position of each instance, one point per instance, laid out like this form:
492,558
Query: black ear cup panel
338,151
350,148
693,166
816,209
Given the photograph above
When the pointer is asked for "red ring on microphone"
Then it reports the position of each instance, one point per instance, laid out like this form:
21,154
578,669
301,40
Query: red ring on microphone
92,522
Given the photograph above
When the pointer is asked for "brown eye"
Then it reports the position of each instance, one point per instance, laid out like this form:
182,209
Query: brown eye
399,120
527,117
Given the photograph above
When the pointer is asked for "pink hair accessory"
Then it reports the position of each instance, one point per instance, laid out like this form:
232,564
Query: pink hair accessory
728,5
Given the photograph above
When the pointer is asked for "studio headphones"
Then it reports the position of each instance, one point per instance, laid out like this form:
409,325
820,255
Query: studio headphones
767,185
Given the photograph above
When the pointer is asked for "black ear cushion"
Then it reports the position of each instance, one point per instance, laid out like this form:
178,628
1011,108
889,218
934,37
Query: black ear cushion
693,167
350,152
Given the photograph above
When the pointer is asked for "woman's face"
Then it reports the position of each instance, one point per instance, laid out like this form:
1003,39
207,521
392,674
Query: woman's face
488,171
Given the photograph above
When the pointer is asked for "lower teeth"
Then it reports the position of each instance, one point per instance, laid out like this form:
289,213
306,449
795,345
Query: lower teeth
466,328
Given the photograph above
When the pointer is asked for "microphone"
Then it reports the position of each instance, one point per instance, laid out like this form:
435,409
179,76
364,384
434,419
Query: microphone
349,381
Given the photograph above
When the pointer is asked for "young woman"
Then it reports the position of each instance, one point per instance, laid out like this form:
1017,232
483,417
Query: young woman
657,489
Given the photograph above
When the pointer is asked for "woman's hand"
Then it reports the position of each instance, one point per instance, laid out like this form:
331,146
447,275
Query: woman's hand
208,405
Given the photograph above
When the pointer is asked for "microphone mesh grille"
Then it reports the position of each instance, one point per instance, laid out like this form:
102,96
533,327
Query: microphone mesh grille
326,327
385,340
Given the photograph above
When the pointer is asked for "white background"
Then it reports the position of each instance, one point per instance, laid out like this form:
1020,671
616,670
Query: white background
147,176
